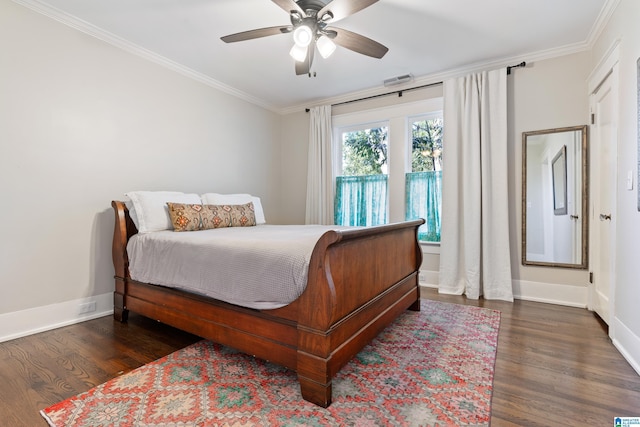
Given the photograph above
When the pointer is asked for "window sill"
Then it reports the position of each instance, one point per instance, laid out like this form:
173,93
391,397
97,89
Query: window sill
430,248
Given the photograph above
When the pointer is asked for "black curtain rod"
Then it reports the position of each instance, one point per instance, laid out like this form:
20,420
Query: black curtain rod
399,92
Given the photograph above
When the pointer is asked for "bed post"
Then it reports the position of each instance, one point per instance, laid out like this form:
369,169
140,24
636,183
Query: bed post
121,234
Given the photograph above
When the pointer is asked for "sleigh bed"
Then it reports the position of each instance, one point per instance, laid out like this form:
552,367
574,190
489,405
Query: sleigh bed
359,280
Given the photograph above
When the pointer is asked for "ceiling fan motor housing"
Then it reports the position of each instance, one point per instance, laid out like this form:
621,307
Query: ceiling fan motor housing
312,5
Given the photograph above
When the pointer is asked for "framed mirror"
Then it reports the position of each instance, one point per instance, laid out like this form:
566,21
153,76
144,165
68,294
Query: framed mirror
554,197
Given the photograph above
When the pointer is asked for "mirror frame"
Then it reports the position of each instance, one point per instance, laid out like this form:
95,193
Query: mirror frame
585,193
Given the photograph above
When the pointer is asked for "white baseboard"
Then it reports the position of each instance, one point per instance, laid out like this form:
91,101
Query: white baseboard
627,343
550,293
39,319
429,279
27,322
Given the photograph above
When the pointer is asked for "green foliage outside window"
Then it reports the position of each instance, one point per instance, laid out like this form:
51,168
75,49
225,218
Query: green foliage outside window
364,152
426,153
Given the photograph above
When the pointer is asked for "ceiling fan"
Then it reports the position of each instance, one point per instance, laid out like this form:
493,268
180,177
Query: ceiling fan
309,25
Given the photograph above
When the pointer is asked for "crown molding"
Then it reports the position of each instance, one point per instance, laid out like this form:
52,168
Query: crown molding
112,39
92,30
440,77
601,21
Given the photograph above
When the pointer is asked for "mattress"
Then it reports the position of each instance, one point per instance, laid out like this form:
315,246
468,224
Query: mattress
261,267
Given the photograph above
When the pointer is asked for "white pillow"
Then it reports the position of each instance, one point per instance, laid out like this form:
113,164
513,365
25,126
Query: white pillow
236,199
150,211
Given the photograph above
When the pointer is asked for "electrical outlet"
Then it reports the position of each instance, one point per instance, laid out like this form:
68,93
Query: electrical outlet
87,307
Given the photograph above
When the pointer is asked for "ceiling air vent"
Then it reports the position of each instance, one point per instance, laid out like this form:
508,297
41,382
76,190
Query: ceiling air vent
393,81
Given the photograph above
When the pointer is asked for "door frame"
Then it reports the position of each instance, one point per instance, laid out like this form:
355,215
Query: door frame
607,68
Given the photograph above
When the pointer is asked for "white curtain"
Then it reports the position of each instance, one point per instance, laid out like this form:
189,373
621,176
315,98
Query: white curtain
475,257
320,168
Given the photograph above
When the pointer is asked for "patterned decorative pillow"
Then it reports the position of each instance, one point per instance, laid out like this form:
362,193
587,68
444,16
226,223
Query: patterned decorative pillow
185,217
236,199
217,216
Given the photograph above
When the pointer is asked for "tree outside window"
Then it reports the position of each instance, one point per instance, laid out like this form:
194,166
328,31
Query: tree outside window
364,152
426,153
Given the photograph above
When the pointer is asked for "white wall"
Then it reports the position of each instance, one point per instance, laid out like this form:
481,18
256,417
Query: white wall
81,123
293,173
624,26
547,94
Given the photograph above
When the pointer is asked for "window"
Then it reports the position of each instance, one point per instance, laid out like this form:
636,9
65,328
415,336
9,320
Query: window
361,188
389,166
424,182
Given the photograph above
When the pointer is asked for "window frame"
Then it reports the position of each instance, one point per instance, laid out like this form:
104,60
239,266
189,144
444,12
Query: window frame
399,119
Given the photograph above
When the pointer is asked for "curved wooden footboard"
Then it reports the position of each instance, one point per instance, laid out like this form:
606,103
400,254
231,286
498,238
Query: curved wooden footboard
359,281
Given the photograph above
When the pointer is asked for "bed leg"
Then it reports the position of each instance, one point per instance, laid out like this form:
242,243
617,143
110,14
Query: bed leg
316,393
120,313
415,306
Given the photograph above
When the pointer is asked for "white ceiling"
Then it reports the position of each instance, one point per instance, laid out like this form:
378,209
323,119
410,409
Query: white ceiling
427,38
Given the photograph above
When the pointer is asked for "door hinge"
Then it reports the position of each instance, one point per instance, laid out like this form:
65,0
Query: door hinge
593,118
590,277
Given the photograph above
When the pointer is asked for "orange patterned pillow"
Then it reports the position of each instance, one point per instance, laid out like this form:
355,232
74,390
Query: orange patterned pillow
217,216
185,217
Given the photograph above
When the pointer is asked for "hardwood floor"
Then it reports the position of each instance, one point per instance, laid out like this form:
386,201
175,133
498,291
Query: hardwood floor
555,365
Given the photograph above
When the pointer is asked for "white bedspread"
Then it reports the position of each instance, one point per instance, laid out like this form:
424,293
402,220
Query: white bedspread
260,267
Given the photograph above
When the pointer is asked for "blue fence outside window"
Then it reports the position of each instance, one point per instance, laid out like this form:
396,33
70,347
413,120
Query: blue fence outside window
361,200
424,200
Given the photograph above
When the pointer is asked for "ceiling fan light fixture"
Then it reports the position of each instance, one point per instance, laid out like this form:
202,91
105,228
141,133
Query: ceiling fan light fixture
310,20
326,46
299,53
303,36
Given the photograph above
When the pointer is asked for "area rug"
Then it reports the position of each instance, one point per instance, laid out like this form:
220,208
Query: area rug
429,368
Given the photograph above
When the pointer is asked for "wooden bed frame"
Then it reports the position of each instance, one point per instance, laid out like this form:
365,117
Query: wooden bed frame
359,281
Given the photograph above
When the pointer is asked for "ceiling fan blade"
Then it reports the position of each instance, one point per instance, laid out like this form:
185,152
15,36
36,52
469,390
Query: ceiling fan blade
358,43
305,66
254,34
290,5
342,8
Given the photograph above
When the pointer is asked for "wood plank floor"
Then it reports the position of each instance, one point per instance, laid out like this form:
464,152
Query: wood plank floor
555,365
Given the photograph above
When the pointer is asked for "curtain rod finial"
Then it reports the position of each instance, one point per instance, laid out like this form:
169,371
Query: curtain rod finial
522,64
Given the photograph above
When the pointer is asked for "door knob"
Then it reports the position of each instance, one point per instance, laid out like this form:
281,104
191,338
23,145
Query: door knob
576,217
604,217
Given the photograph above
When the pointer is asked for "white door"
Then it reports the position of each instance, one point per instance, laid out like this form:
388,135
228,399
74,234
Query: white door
603,195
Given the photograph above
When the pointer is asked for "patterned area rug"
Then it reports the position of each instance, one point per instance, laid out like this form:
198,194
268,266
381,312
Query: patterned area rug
429,368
